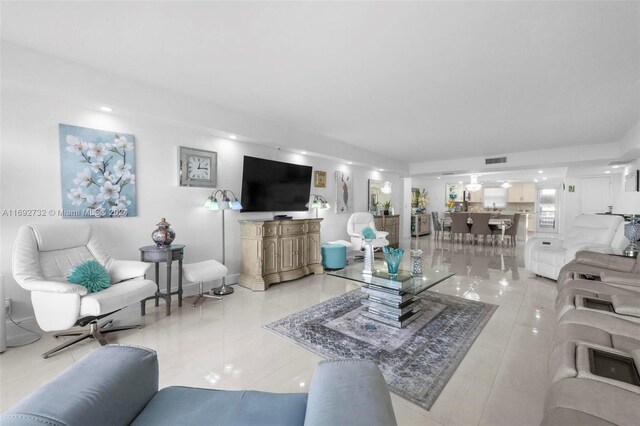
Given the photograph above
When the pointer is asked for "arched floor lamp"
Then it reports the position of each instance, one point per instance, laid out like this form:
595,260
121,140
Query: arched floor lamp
219,200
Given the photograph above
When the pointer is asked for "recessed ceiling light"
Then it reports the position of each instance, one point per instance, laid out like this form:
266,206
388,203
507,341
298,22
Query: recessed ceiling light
544,178
540,171
460,182
438,177
381,170
608,171
106,109
303,152
535,180
616,166
233,137
349,162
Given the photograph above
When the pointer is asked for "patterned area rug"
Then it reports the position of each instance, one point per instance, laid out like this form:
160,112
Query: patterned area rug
416,361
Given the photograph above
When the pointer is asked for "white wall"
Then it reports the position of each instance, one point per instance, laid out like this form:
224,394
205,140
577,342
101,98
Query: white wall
30,176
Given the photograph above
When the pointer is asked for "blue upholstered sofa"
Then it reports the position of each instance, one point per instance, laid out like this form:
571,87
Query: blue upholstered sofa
118,385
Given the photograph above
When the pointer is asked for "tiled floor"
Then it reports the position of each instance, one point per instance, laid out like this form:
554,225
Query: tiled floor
222,344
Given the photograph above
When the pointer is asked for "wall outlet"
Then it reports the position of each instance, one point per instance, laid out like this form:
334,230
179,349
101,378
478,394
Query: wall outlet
7,306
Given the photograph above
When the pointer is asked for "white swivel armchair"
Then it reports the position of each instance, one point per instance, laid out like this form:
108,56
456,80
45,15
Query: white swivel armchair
547,255
357,222
43,256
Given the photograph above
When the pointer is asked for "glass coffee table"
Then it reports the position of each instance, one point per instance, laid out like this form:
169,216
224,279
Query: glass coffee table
392,300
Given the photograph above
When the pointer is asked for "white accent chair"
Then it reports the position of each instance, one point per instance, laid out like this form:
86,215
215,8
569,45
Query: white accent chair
43,256
357,222
546,255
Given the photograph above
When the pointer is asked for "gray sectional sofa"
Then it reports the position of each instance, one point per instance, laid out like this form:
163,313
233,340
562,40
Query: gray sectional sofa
594,356
118,385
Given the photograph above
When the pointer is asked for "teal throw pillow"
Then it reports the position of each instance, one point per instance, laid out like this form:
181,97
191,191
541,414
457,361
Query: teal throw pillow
368,233
90,274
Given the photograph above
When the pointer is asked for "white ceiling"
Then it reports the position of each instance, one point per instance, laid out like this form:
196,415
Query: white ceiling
403,79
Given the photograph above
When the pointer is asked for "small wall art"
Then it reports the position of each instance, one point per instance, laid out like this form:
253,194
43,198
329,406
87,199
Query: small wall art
572,188
97,171
320,179
344,193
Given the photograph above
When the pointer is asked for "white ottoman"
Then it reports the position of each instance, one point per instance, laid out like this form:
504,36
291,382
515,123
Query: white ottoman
200,272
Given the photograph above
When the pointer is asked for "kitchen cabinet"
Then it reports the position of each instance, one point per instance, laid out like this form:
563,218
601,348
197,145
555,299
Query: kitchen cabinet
522,193
420,224
273,251
390,224
477,197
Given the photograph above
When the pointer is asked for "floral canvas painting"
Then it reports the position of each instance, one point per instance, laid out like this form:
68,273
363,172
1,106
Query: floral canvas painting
344,193
97,173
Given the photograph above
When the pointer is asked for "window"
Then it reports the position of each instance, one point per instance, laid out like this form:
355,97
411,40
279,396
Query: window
495,198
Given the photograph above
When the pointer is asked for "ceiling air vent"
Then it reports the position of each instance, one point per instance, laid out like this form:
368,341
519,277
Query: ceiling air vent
447,173
620,163
496,160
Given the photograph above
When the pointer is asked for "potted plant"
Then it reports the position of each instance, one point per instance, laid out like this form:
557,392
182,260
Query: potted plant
387,207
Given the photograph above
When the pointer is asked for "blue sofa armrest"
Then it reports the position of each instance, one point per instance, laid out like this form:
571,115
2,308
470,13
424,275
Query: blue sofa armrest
110,386
349,392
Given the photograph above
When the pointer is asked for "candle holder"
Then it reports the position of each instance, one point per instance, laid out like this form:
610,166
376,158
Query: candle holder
416,263
368,257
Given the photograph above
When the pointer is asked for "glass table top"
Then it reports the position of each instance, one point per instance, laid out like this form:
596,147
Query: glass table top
402,282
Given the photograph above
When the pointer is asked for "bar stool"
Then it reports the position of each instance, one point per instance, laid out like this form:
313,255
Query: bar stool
199,272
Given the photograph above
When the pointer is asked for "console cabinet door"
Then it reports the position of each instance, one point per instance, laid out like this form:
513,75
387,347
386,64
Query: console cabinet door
287,249
300,252
269,256
314,248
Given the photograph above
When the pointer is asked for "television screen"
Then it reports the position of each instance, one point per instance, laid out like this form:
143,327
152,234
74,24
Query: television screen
274,186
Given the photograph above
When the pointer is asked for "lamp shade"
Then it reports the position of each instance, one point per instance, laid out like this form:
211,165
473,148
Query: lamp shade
626,203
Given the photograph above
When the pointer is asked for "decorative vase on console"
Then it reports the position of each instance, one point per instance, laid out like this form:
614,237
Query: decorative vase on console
163,235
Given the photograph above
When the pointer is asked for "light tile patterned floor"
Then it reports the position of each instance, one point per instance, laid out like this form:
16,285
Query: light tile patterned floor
222,344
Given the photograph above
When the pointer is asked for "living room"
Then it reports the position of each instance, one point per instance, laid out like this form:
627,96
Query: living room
48,79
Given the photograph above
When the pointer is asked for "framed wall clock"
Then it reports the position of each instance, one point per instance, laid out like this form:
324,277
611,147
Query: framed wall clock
197,167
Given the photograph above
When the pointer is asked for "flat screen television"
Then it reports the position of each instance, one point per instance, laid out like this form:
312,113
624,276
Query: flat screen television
274,186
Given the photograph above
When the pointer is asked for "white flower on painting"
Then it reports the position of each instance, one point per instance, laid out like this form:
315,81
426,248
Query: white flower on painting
76,145
97,151
106,177
95,202
109,190
121,142
129,178
77,196
83,177
122,202
120,168
95,167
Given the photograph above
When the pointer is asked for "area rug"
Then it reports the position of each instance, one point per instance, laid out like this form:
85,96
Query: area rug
416,361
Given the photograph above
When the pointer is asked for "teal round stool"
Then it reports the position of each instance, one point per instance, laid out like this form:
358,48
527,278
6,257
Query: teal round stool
334,256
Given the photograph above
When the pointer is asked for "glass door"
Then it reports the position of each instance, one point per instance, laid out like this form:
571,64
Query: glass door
546,219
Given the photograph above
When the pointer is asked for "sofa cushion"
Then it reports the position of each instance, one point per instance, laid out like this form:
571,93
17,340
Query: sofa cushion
550,256
194,406
607,404
584,235
592,229
110,386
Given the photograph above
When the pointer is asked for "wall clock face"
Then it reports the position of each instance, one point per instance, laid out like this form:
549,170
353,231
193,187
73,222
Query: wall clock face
197,167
